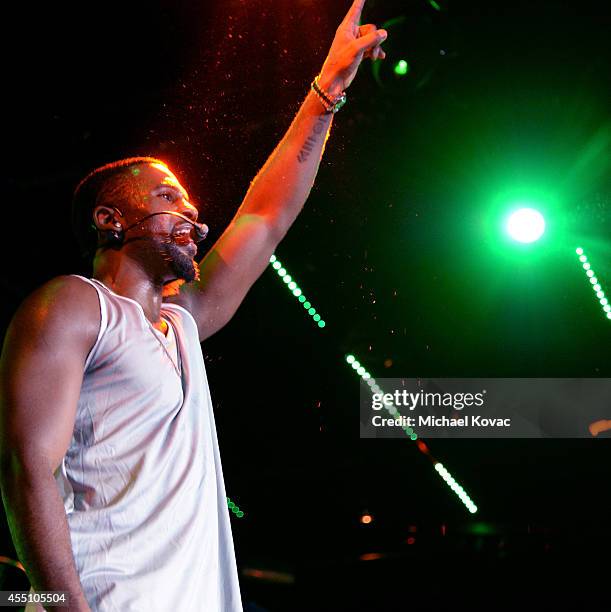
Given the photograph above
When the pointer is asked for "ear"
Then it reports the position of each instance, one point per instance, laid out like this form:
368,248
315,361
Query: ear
106,218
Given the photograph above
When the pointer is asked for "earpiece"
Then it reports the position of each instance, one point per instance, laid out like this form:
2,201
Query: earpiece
114,237
111,238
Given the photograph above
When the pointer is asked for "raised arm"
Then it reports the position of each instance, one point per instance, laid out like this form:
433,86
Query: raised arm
281,187
41,372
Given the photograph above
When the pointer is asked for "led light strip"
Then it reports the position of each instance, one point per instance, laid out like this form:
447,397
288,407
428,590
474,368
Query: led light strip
233,507
375,388
295,290
600,294
462,494
373,385
392,409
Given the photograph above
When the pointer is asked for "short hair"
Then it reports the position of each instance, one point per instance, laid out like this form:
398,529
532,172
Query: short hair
104,185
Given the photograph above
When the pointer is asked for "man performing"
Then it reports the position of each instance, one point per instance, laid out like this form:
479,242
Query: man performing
111,476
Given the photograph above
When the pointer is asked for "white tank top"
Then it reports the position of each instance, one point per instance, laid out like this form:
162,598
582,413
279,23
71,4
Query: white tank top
141,481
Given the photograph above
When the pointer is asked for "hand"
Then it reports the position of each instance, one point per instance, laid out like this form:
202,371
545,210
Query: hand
351,44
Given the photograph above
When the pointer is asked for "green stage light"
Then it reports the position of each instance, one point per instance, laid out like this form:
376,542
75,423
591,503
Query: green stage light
234,508
375,388
401,68
600,294
526,225
460,492
392,410
295,290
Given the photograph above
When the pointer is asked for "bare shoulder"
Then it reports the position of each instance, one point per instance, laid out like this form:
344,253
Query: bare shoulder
42,366
64,309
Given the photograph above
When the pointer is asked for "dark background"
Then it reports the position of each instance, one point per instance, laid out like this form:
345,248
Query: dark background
395,250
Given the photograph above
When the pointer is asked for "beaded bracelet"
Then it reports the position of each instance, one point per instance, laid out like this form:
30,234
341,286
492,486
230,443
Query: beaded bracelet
325,98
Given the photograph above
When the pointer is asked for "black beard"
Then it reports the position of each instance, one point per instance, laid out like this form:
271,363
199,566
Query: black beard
182,265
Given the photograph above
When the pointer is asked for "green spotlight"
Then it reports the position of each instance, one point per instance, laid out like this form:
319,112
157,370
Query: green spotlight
401,68
526,225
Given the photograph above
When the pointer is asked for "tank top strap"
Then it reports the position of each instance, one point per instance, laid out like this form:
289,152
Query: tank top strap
103,317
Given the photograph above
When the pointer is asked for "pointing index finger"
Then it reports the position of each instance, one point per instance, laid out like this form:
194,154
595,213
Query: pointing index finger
354,13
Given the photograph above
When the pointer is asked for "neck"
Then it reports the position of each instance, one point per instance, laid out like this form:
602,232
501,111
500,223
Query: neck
128,278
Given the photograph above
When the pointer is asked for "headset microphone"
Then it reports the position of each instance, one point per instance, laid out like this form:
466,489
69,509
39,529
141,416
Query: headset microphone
199,230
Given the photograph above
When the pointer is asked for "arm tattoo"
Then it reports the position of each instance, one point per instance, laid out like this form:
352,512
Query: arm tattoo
306,149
